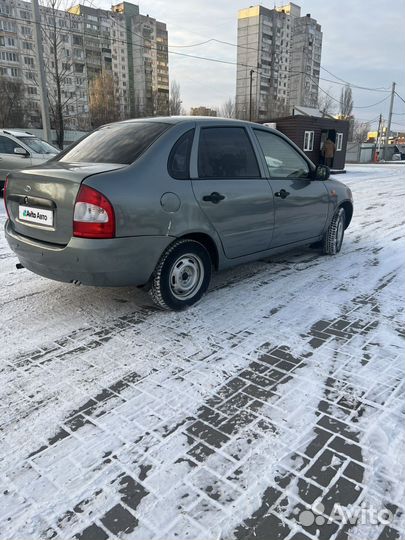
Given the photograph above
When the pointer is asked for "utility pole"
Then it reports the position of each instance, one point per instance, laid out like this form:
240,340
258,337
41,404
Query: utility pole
36,16
390,113
377,157
250,94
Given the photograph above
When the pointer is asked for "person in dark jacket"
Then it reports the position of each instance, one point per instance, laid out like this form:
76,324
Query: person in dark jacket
328,152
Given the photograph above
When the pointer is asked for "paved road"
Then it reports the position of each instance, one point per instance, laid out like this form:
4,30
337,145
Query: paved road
250,416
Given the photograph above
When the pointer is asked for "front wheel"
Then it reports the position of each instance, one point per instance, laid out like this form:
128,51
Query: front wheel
333,239
182,275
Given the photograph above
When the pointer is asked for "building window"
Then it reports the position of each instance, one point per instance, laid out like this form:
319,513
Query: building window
308,141
339,141
77,40
26,31
9,57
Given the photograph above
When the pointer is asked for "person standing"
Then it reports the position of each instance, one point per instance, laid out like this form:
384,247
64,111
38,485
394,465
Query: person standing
328,152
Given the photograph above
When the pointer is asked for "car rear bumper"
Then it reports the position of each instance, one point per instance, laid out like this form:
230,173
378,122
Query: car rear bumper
116,262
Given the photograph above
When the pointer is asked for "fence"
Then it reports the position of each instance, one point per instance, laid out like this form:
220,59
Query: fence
364,152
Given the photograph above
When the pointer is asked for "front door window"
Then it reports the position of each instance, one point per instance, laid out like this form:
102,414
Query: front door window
281,158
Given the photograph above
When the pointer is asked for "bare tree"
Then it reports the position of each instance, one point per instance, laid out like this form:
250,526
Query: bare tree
103,104
327,102
13,105
58,68
360,131
227,110
346,102
175,107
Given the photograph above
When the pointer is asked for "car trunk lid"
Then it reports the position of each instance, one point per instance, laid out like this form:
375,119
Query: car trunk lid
40,200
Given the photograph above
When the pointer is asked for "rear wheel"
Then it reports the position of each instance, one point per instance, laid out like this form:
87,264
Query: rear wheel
333,239
182,275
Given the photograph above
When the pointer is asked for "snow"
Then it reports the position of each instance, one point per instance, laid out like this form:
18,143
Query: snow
61,346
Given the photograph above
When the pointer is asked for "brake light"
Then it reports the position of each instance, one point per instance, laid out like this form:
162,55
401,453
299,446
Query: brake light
93,215
4,195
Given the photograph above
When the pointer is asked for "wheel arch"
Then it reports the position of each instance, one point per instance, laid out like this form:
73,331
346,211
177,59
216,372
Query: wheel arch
208,242
348,208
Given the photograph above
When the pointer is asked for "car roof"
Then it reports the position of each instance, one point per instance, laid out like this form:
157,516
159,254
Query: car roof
16,133
184,119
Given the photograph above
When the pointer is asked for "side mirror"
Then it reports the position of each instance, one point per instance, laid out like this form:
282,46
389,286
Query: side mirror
21,152
322,172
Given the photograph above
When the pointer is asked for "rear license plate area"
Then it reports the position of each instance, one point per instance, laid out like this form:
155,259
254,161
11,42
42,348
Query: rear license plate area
39,216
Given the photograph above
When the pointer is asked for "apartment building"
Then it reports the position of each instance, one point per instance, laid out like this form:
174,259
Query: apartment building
202,111
148,60
305,62
87,41
278,61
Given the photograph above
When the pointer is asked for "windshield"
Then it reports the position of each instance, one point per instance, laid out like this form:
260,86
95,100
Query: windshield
38,145
117,143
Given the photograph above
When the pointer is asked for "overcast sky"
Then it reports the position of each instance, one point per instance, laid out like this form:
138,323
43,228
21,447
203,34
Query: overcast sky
363,43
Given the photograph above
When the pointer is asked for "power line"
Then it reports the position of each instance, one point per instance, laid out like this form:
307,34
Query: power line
343,81
338,101
355,85
150,47
193,45
216,60
401,98
210,59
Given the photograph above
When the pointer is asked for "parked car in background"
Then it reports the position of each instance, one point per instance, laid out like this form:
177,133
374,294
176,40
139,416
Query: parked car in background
161,202
399,152
19,150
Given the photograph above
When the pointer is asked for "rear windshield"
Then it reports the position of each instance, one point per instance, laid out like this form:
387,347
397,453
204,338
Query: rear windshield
117,143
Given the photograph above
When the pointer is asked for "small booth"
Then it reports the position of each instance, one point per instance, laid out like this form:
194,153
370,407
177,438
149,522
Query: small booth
310,129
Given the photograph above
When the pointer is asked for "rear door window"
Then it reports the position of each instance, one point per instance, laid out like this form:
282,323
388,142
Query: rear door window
7,145
226,152
117,143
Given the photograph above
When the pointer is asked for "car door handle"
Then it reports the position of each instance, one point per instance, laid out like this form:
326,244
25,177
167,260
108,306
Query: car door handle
215,197
282,193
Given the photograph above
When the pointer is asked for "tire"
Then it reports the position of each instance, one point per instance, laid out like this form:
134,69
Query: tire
333,239
182,275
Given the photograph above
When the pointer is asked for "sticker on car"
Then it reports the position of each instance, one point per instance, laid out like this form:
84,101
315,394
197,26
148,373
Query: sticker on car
35,215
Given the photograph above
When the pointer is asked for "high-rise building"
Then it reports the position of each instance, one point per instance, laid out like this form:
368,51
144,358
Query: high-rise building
147,60
87,41
305,62
278,61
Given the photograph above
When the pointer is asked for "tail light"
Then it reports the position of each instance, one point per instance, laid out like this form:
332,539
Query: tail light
93,215
5,195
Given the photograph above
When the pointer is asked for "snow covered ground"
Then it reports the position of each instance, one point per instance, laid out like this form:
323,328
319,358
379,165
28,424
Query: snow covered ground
251,415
